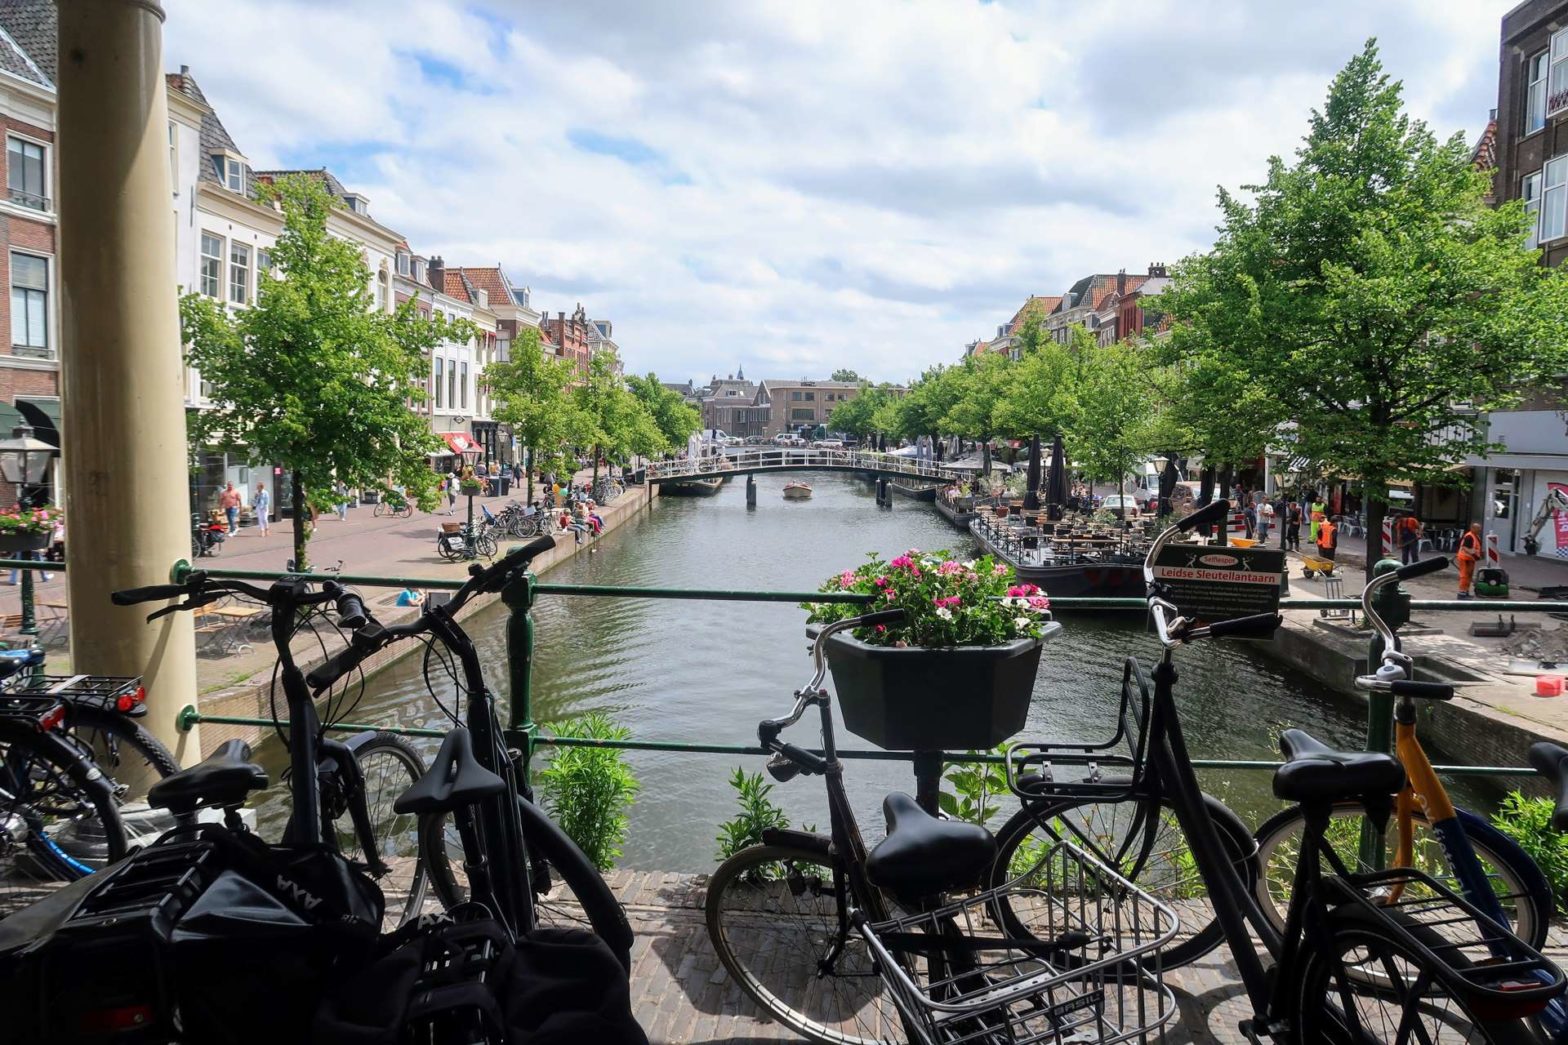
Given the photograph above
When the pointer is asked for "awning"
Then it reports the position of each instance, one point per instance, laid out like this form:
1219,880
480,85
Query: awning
1522,462
44,416
462,443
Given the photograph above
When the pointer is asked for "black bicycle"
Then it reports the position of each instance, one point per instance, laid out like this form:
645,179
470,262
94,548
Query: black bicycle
481,836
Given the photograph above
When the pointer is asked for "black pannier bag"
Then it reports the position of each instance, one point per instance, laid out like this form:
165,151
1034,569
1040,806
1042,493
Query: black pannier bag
204,936
464,981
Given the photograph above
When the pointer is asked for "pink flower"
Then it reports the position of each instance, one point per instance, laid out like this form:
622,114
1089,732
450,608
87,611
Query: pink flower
999,569
880,628
847,578
1038,603
903,562
892,595
883,582
948,568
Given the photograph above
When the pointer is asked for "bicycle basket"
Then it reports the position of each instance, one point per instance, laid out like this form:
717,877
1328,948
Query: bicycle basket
1080,963
1111,769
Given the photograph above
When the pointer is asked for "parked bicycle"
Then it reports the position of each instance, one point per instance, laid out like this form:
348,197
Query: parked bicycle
397,505
462,541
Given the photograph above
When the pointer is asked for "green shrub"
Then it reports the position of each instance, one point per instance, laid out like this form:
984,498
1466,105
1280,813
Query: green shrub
587,790
1528,821
757,814
976,786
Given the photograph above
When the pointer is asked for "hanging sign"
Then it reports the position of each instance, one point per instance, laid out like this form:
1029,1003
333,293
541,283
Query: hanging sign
1219,582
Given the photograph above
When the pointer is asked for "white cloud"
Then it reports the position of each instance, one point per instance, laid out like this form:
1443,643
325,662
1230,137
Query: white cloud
803,184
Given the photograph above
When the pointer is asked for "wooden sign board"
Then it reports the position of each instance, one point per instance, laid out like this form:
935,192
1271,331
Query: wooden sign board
1219,582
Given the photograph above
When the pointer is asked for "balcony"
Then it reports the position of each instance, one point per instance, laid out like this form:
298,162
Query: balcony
32,351
30,200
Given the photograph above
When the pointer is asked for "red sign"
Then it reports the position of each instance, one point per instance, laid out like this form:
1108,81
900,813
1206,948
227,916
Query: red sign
1560,523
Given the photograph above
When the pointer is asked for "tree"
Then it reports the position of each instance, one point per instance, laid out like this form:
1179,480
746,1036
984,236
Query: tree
980,384
530,390
1371,295
612,422
1114,412
845,375
676,419
858,416
1040,397
311,378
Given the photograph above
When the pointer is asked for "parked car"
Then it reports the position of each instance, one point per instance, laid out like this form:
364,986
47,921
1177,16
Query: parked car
788,439
829,444
1123,506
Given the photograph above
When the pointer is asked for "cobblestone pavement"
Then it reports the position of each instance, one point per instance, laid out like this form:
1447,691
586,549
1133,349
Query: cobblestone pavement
683,996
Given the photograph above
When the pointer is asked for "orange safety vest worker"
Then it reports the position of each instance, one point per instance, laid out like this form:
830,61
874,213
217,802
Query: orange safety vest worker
1469,553
1328,538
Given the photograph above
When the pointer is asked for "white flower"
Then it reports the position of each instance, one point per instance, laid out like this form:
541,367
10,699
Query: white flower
1023,622
944,613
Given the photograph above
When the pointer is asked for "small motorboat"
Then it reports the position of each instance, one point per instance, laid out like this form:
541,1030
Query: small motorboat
796,491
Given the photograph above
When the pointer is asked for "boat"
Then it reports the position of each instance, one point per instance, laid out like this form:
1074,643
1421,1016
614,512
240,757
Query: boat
915,491
1114,573
694,487
960,511
796,491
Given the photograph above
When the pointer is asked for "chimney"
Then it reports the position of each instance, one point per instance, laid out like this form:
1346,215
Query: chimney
435,271
1156,268
1121,282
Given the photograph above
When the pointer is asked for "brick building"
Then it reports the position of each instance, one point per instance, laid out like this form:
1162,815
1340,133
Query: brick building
570,337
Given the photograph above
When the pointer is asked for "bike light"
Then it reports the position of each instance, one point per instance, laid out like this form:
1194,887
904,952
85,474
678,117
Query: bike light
51,720
108,1021
126,701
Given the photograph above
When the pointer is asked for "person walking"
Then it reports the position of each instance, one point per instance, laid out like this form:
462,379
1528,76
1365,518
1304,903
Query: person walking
262,502
340,492
451,491
1317,513
1469,555
1409,530
1249,515
1327,539
229,500
1293,525
1265,519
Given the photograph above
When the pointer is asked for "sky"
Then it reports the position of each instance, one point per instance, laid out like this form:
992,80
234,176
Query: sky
795,186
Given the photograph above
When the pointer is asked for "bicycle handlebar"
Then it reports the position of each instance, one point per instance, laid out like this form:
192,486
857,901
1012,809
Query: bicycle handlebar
1212,512
1257,626
1551,761
151,593
351,610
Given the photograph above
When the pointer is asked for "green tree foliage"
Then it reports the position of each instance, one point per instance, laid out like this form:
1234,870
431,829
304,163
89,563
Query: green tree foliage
980,385
675,418
1115,412
613,422
1041,396
311,378
531,393
1370,294
844,375
858,416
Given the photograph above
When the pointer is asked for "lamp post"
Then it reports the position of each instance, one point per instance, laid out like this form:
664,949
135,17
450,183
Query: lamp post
1162,507
24,461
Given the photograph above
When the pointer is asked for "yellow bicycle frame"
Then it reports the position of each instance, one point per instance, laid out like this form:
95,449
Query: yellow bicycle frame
1422,789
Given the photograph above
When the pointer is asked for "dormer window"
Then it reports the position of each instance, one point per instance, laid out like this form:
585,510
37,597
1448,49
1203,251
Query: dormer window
231,171
405,264
356,203
419,270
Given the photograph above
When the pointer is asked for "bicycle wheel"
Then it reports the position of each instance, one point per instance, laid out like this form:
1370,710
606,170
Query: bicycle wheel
381,509
448,551
774,914
1528,906
121,746
407,511
568,889
58,817
389,766
1336,1003
1115,832
485,545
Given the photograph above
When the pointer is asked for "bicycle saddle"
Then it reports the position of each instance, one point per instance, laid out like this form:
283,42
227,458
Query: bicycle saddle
220,780
455,779
922,855
1315,772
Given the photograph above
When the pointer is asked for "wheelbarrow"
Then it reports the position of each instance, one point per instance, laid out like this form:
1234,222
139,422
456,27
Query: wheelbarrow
1312,565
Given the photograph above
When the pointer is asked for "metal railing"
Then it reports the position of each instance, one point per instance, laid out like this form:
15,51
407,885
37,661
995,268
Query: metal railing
789,460
524,734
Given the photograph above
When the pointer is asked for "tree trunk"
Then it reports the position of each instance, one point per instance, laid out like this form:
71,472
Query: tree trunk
595,467
985,458
528,472
301,522
1377,510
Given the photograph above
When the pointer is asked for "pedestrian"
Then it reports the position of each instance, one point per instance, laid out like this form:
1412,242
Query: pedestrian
451,491
1265,520
1317,513
1409,530
1249,515
1469,554
262,502
229,500
340,491
1327,539
1293,525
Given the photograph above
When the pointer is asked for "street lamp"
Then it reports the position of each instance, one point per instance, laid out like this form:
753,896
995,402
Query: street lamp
1162,507
24,461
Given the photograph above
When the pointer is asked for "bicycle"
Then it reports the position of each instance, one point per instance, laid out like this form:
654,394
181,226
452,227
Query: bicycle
481,837
339,805
846,946
1352,942
401,508
1457,846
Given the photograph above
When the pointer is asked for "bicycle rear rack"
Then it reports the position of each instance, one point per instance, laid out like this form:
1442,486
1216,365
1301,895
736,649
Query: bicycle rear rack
1110,770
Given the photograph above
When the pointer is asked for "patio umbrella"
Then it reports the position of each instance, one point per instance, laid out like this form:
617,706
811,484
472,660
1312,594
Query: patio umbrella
1168,480
1056,484
1032,490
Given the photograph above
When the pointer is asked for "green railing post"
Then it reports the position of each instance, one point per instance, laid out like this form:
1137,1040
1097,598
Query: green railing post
519,599
1393,605
29,619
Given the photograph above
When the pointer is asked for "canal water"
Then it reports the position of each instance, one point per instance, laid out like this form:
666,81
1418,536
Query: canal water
708,671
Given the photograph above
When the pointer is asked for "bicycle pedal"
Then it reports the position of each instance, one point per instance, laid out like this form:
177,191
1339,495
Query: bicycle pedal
1259,1035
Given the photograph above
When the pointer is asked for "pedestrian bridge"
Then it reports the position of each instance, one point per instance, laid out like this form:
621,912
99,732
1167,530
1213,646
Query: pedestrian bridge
746,462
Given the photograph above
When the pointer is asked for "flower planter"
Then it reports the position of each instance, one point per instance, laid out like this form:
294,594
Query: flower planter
23,542
916,699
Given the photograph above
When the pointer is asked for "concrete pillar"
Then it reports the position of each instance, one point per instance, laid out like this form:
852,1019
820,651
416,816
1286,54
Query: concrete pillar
121,371
751,490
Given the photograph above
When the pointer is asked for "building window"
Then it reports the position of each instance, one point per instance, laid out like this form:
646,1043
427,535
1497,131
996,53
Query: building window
1531,194
803,414
1557,77
25,173
263,264
1554,199
1535,93
451,386
796,396
211,265
29,306
404,265
231,172
239,272
174,158
381,291
462,385
439,363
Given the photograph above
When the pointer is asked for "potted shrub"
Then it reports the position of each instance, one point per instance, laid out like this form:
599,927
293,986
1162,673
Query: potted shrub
28,529
958,673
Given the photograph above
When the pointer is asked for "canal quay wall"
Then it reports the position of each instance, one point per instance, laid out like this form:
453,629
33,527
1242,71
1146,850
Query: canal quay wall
410,549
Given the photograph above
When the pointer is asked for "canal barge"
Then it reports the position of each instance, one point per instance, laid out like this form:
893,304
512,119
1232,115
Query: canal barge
706,486
914,491
1110,567
960,511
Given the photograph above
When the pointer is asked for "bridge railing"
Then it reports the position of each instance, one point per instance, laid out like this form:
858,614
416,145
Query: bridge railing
524,733
748,460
